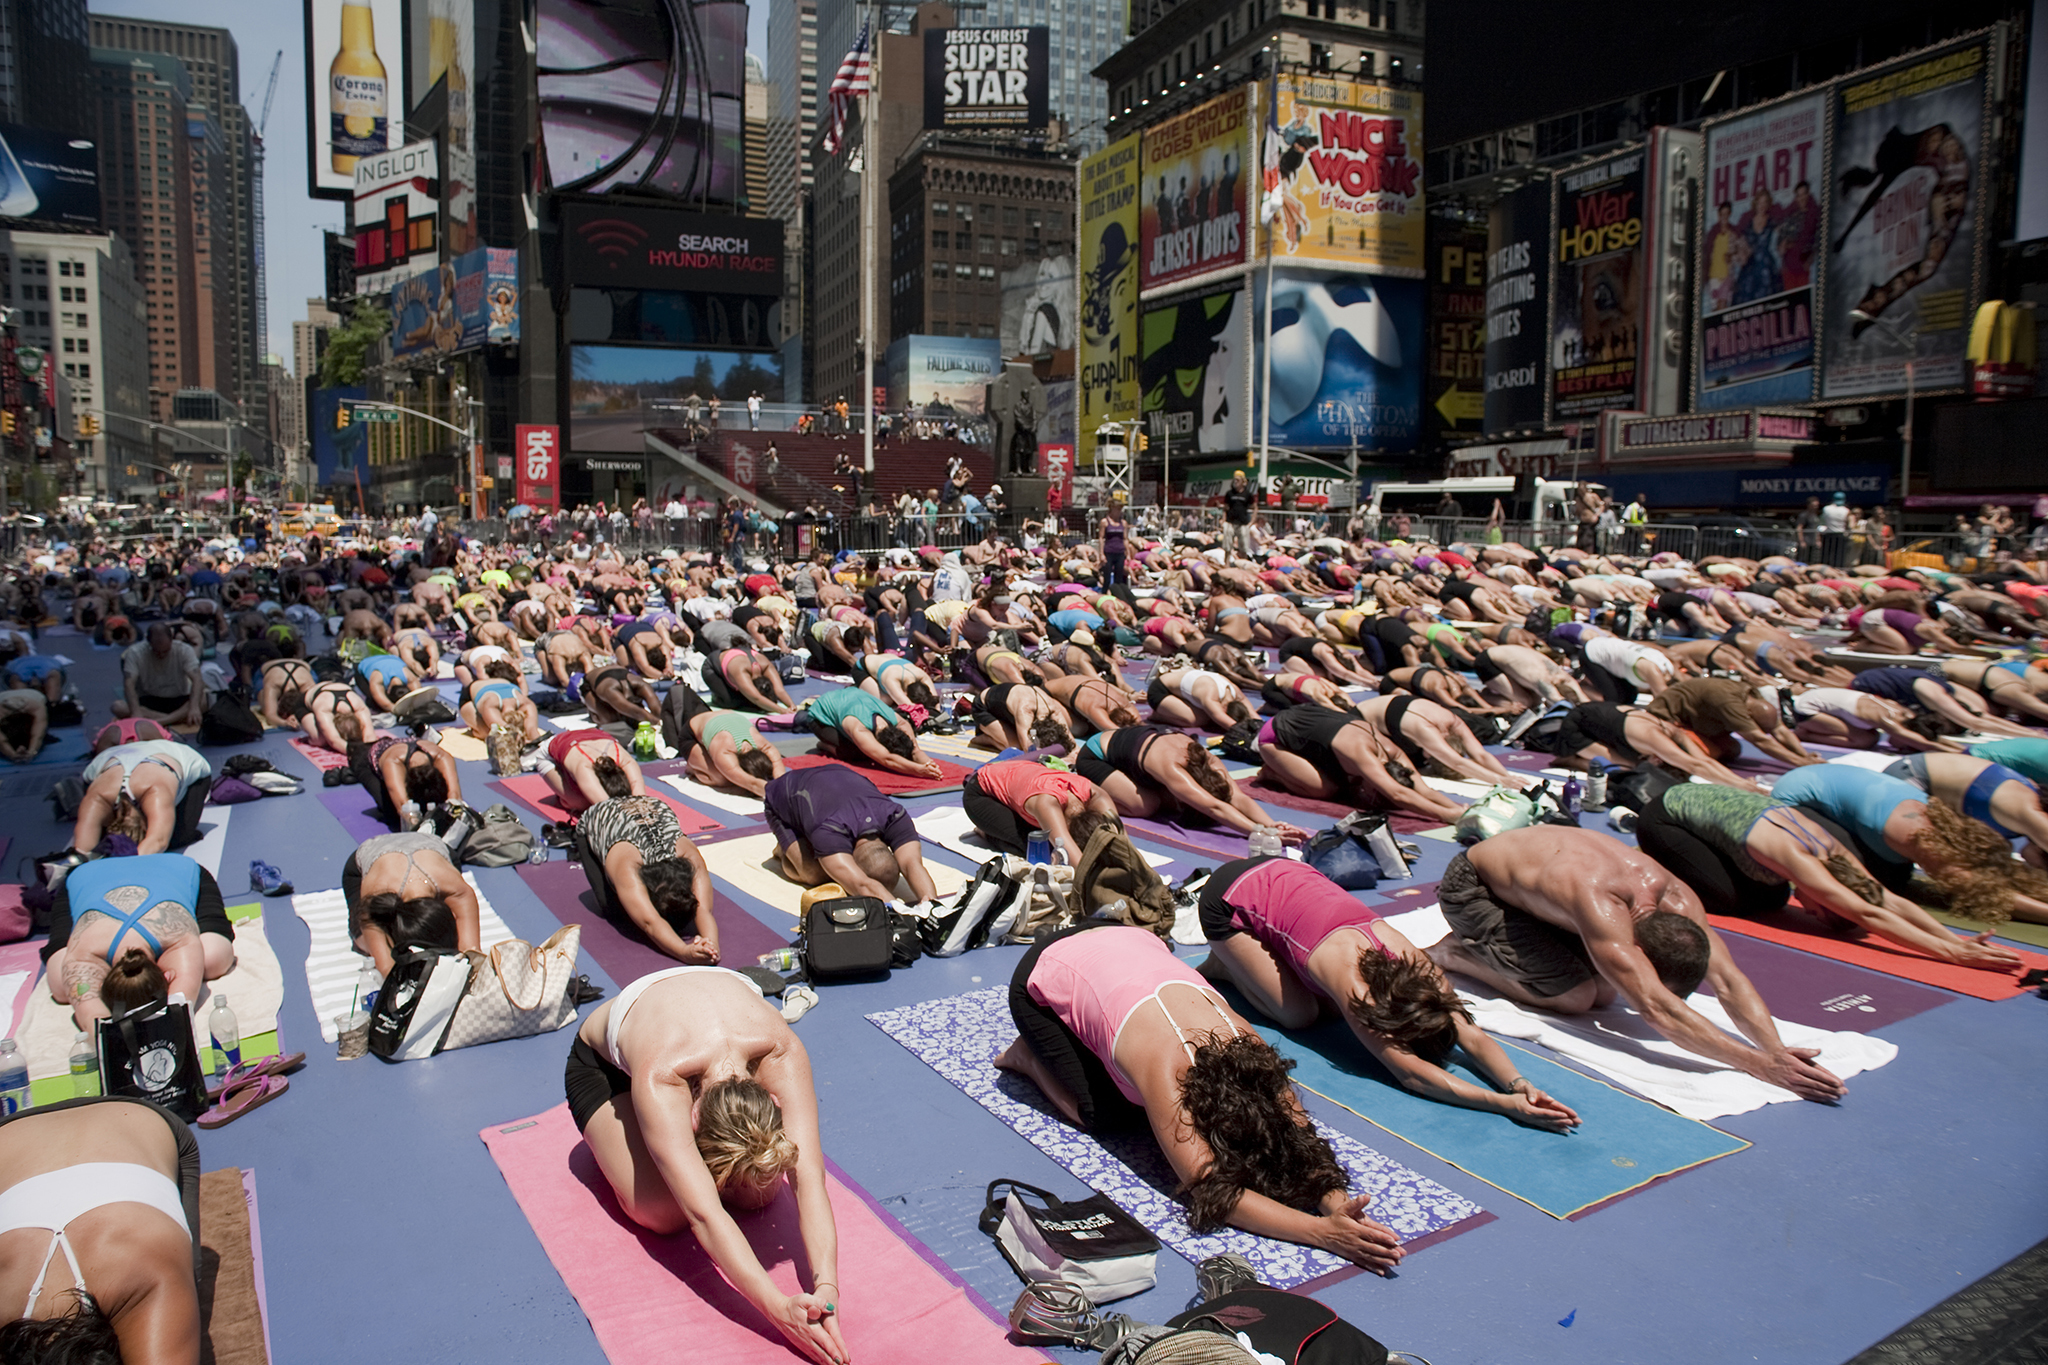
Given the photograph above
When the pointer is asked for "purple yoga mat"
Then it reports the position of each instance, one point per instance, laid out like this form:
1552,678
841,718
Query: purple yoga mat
1822,993
352,806
1215,843
563,889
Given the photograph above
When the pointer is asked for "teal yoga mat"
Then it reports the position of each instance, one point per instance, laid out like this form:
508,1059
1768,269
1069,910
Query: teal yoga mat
1622,1143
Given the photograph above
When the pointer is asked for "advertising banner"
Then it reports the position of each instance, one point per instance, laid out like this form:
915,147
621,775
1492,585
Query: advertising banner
1342,163
446,31
616,246
458,307
1348,357
537,453
1454,370
1517,307
942,377
620,380
1192,215
1671,185
46,178
396,214
355,89
1107,240
1597,303
647,98
986,77
1909,166
1764,194
1056,466
501,295
1192,367
1038,308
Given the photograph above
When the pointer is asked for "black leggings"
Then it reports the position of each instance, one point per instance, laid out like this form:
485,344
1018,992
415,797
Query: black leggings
1000,825
185,830
188,1154
1722,886
1101,1105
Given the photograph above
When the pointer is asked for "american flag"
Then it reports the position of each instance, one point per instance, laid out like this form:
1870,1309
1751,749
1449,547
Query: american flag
852,80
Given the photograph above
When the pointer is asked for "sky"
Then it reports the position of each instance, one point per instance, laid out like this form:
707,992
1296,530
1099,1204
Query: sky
293,219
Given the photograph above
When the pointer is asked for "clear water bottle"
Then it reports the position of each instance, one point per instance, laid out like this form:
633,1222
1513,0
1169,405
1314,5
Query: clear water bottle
85,1067
227,1033
781,960
1264,842
1596,789
368,982
14,1096
1037,847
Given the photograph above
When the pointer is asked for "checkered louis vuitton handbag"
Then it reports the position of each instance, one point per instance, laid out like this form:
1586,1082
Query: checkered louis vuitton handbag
518,990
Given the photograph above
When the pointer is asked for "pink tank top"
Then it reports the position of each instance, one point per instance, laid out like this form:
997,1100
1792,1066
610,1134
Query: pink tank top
1291,908
1094,981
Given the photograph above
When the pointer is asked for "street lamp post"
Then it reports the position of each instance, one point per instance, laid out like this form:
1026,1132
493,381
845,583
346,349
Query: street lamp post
1910,341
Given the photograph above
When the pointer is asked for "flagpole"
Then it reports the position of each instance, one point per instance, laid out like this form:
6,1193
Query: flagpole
867,253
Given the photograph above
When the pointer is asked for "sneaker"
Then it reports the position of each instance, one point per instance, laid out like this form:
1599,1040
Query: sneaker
562,835
1226,1274
1057,1311
267,879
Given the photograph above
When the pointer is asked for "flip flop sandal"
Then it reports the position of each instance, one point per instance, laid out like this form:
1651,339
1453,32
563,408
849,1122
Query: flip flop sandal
256,1066
241,1096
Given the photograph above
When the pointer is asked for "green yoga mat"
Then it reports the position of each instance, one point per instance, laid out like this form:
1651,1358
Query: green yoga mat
2018,931
1622,1142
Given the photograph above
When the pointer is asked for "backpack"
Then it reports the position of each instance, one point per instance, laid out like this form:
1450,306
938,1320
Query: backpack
502,841
1274,1323
228,721
1112,870
985,910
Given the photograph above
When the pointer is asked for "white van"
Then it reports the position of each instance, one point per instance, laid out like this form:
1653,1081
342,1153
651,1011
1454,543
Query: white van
1524,499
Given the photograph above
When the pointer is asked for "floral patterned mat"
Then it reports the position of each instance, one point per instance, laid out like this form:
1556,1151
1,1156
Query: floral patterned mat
958,1037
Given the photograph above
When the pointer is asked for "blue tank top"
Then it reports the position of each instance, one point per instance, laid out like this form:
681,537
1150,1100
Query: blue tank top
385,668
1857,799
851,703
129,888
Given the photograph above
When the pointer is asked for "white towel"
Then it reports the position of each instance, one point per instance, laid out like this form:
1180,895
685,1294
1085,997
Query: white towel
1424,928
10,986
950,828
748,865
1617,1043
213,839
254,988
736,803
1876,761
332,963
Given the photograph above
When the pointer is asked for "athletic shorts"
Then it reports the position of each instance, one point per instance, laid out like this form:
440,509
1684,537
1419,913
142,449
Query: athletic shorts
590,1081
1536,953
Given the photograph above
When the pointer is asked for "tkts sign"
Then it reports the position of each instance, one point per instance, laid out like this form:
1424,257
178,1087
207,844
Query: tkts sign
538,453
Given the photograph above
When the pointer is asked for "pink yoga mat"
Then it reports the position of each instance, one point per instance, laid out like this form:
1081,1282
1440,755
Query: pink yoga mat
951,775
660,1298
20,957
531,791
323,759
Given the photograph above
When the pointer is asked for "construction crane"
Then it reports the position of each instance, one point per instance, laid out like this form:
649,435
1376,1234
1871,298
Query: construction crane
262,271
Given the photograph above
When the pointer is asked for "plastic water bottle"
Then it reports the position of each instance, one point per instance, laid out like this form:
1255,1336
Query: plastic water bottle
85,1067
226,1031
644,740
781,960
368,982
14,1096
1568,799
1596,789
1263,842
1037,847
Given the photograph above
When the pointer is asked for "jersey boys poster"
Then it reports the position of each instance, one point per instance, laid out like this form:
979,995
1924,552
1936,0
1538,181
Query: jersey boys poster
1909,186
1764,191
1597,303
1192,215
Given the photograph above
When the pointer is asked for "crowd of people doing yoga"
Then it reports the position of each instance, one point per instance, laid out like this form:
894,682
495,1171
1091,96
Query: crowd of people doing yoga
1100,682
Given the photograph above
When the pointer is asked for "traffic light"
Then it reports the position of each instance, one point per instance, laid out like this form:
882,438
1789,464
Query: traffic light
343,415
1144,442
88,425
7,422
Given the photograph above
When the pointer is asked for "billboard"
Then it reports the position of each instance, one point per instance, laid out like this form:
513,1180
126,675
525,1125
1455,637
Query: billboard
1191,219
46,178
1106,370
1454,367
341,448
1348,357
397,214
445,30
459,306
645,97
1517,307
986,77
615,379
1038,308
1342,174
1671,185
1911,184
1763,200
537,459
355,89
616,246
1597,295
1193,355
942,376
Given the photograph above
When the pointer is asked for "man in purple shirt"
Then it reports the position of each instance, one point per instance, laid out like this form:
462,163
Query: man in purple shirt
832,825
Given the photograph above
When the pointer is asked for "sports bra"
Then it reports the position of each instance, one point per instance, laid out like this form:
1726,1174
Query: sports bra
53,1200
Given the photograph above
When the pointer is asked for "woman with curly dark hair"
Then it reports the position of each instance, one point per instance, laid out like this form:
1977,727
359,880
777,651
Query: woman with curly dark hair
1297,944
1118,1033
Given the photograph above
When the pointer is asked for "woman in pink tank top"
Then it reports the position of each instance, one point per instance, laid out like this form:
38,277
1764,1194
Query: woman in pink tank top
1118,1032
1295,942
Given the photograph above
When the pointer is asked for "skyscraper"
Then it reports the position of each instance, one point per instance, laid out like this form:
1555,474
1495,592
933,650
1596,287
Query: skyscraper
792,127
213,65
760,95
45,67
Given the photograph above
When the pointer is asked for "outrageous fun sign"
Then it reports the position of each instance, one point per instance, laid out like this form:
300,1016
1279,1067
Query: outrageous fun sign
1192,193
1341,165
1764,189
986,77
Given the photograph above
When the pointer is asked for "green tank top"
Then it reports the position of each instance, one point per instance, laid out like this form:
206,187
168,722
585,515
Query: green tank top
1723,817
834,708
738,724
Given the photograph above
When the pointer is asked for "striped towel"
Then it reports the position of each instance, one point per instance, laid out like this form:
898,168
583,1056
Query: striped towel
332,963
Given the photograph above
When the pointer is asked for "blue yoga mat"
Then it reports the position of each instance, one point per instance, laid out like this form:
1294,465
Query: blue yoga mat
1621,1143
68,751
